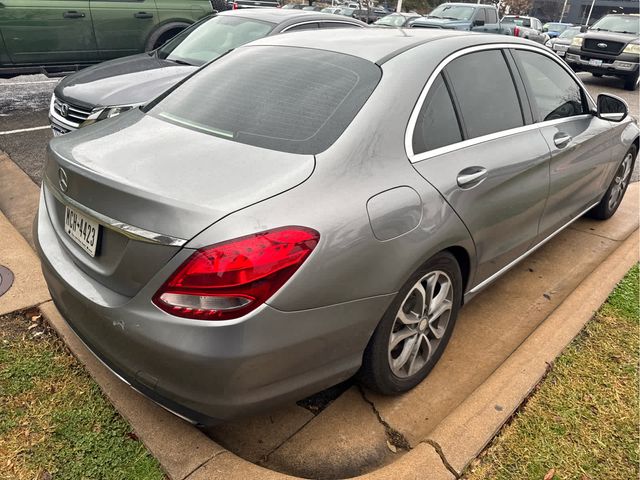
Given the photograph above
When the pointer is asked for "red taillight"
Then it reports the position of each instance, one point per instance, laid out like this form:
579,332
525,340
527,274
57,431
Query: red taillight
230,279
516,31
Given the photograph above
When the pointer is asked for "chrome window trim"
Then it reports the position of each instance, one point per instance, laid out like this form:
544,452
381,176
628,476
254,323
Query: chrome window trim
320,22
504,269
413,118
130,231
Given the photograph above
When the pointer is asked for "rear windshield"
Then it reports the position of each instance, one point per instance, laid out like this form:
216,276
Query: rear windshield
280,98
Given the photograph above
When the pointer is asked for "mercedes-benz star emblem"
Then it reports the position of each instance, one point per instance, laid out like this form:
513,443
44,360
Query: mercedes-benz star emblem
62,179
603,45
64,109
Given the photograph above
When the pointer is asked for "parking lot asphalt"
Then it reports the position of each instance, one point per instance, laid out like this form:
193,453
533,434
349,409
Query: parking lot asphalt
24,102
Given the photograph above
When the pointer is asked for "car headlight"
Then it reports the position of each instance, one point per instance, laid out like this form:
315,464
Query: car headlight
109,112
576,42
633,48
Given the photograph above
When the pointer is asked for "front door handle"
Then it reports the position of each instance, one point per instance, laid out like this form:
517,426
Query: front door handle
471,177
143,15
73,14
561,139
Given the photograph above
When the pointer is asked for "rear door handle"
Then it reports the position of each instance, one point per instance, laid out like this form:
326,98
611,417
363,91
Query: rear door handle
143,15
561,139
472,176
73,14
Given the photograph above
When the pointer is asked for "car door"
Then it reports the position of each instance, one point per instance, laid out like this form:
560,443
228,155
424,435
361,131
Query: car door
122,27
471,141
580,142
48,31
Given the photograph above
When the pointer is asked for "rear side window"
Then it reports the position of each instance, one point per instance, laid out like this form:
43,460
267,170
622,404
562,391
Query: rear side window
555,93
280,98
492,16
485,92
436,125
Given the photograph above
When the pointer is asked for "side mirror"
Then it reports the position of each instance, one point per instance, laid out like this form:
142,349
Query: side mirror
583,28
478,23
611,108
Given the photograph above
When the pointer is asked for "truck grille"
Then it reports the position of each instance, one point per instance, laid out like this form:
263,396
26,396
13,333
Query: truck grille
603,46
72,113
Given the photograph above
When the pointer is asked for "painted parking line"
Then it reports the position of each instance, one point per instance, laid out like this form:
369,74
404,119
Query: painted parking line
27,83
21,130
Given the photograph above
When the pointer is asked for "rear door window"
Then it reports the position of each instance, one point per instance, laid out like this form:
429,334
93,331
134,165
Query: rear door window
483,86
555,93
304,102
492,16
302,26
436,125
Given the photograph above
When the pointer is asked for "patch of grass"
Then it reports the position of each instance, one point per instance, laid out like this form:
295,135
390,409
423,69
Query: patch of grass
54,420
582,421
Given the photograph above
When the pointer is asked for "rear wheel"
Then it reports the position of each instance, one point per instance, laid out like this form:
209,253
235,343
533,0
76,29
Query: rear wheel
416,328
614,194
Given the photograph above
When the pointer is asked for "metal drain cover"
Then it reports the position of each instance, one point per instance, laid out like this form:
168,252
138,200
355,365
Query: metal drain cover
6,279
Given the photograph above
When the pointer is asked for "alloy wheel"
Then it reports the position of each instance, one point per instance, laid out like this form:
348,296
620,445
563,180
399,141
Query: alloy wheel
620,181
420,324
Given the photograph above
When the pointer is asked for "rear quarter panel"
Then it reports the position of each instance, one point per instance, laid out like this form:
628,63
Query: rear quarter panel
184,11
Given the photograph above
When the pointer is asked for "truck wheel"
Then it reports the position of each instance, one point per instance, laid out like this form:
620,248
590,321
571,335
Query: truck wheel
163,34
631,83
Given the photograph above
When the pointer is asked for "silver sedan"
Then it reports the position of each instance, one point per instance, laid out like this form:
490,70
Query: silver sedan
316,205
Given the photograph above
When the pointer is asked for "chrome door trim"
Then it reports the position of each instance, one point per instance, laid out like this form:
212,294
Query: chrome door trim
130,231
408,138
493,277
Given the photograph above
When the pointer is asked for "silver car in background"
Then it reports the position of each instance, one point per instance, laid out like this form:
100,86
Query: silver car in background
227,248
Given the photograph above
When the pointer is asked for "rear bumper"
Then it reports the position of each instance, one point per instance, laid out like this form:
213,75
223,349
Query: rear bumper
208,371
623,65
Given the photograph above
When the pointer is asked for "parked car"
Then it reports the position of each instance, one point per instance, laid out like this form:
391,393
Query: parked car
610,47
526,27
458,16
228,248
66,35
561,44
554,29
108,89
334,10
397,20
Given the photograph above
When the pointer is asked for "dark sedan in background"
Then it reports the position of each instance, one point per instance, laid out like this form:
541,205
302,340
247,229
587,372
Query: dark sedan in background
110,88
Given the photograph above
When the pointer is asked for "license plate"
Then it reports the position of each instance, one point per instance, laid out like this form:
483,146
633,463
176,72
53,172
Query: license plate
83,231
595,62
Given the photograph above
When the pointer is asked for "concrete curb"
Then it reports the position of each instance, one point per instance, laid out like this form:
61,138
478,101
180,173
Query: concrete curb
468,430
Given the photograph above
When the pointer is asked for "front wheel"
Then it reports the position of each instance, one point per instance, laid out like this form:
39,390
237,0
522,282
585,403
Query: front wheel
614,194
415,329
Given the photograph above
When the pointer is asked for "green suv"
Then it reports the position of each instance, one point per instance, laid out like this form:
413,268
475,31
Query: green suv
63,35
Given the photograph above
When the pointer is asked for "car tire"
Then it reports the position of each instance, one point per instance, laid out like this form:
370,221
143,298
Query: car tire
631,83
410,338
615,193
163,34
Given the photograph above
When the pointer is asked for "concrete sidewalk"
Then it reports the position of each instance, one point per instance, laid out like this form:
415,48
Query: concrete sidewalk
499,351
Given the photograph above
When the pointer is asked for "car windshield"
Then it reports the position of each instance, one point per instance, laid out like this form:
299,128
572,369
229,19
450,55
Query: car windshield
521,22
569,33
304,103
393,20
213,38
618,24
452,12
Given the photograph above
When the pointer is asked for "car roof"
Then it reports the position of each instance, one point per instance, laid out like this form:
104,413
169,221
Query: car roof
279,15
374,44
